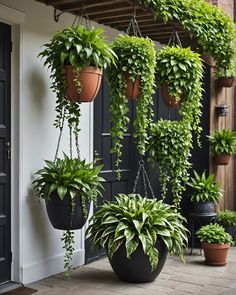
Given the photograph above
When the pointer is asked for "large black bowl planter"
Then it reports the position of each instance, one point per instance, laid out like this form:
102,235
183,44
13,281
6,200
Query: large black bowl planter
137,269
204,207
59,213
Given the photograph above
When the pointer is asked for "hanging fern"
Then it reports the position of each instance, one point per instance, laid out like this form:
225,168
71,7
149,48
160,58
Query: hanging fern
136,56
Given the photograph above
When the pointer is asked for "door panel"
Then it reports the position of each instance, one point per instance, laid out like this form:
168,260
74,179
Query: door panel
5,194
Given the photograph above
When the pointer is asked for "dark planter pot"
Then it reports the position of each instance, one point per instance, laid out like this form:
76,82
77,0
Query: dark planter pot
215,254
90,80
169,100
137,269
222,159
222,110
204,207
232,231
59,213
133,89
226,82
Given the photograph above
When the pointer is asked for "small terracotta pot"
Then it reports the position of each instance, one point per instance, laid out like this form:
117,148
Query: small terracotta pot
226,82
215,254
90,79
133,89
222,159
169,100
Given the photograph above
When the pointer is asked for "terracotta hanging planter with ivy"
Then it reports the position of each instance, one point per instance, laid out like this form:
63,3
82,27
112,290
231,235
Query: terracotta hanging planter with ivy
227,82
169,100
133,89
89,80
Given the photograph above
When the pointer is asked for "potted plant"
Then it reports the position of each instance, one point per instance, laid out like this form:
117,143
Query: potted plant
206,193
170,145
227,219
68,186
179,72
76,57
215,243
222,145
137,233
133,77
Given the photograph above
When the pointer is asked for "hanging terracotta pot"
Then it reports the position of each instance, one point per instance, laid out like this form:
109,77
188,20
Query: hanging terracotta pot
90,80
169,100
222,159
226,82
133,89
215,254
59,212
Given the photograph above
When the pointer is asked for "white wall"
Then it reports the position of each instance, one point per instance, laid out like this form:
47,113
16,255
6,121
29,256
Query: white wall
36,246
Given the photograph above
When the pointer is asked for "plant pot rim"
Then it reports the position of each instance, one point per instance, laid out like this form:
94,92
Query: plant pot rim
87,69
215,245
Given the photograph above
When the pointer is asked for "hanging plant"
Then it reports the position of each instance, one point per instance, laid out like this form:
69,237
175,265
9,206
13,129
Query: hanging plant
137,60
180,72
215,31
170,145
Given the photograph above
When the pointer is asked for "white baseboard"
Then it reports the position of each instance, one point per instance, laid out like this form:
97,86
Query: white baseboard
48,267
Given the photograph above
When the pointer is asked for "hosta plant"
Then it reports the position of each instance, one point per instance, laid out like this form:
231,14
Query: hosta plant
182,71
227,218
136,57
222,142
170,144
134,220
205,188
214,234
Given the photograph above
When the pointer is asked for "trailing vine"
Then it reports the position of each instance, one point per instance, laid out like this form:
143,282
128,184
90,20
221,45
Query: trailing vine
215,31
136,56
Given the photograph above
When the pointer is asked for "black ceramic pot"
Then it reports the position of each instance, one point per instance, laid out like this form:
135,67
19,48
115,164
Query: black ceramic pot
232,231
59,213
137,269
204,207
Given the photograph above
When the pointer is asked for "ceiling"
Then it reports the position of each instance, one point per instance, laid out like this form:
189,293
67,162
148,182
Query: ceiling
117,14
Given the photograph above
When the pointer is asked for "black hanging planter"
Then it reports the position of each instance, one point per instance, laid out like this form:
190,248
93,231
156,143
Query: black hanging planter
222,110
204,207
59,212
137,269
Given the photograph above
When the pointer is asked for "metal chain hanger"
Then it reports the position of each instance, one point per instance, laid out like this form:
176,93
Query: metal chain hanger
174,39
83,18
133,28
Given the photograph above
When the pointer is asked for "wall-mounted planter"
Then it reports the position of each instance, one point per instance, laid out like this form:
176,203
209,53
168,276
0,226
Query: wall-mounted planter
222,159
226,82
59,213
169,100
133,89
90,80
222,110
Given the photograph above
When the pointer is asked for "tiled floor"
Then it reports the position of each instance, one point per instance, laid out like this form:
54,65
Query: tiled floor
176,278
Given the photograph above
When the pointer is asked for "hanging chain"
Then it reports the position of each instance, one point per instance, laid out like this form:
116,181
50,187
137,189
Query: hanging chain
146,180
133,28
174,39
63,112
83,17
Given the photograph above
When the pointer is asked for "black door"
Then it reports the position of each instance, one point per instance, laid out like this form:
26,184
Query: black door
5,177
102,147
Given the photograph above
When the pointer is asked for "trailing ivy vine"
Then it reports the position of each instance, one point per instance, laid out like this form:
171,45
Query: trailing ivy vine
215,31
136,56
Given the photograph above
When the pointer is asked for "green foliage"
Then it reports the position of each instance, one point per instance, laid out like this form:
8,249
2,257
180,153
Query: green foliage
136,56
79,47
170,145
205,189
69,177
182,70
214,234
222,142
133,220
215,31
227,218
68,239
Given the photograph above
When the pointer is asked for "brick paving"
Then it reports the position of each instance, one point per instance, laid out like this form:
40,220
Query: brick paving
176,278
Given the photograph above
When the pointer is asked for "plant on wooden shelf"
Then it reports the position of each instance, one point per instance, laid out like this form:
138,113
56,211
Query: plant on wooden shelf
222,145
68,186
227,219
137,233
170,145
136,62
76,57
180,72
215,30
215,243
206,193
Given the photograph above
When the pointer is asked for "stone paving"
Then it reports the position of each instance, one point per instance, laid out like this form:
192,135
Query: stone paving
176,278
